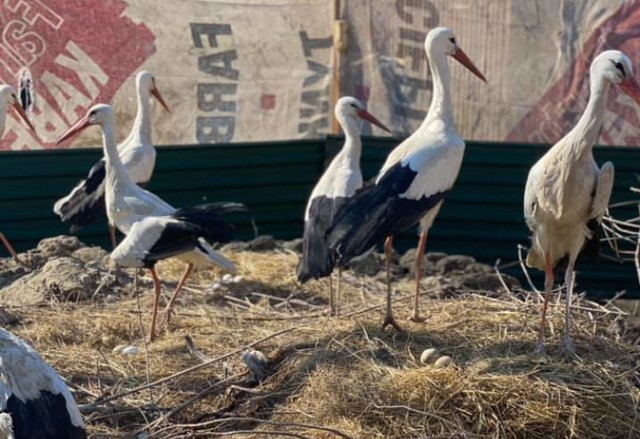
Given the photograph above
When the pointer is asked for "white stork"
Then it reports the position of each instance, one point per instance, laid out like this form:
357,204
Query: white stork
154,229
566,193
338,183
34,401
85,202
8,98
412,183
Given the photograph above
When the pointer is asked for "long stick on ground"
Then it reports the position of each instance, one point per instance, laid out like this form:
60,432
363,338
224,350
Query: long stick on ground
191,369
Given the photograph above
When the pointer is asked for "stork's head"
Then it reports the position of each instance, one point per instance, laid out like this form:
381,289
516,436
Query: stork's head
616,67
10,99
348,107
441,40
146,81
100,114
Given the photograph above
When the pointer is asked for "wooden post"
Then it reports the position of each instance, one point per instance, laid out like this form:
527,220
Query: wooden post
339,46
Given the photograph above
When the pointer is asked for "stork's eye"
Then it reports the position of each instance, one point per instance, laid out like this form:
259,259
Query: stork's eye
618,65
453,40
354,105
92,113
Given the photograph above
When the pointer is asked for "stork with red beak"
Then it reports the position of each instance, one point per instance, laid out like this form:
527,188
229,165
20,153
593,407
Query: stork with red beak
566,194
414,180
338,183
85,203
154,229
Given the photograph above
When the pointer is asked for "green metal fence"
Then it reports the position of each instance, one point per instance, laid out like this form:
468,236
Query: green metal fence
481,217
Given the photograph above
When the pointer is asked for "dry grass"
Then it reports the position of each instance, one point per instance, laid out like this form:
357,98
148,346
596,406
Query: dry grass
338,377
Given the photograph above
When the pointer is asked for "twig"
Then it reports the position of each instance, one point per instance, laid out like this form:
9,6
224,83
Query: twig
266,421
504,285
192,349
12,251
196,398
524,269
396,300
193,368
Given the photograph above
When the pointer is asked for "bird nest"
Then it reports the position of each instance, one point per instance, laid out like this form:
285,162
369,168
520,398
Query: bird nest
336,377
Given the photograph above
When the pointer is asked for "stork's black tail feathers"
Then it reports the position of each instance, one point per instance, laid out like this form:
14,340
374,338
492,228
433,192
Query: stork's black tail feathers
205,220
85,203
375,212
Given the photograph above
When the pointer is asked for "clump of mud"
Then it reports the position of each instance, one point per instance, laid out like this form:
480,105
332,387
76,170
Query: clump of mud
61,268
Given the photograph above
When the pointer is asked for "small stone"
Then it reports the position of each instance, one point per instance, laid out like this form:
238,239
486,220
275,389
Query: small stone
428,355
443,362
227,278
237,279
263,243
130,350
216,286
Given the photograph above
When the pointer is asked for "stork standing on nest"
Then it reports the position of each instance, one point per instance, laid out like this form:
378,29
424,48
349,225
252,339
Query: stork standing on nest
8,98
566,194
34,401
338,183
154,229
412,183
85,203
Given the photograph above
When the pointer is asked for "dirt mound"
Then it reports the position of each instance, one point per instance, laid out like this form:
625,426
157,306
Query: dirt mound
61,268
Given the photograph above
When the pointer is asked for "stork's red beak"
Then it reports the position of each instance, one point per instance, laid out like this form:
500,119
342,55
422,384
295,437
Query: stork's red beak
24,116
630,86
75,129
364,114
463,59
156,94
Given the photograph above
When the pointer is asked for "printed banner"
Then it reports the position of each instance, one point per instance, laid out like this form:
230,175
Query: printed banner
259,70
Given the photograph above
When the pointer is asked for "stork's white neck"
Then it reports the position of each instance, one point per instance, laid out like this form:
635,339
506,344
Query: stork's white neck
142,123
114,167
440,107
588,127
352,148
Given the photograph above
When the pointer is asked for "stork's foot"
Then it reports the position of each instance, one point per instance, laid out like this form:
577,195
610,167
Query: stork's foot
389,320
415,317
568,347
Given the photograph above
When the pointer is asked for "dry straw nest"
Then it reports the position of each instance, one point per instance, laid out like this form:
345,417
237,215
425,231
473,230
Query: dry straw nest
337,377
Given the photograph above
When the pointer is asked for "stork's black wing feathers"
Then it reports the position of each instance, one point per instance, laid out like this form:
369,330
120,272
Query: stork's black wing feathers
45,417
86,202
204,220
317,258
377,211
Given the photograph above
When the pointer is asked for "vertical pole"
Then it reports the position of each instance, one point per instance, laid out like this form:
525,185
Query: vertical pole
339,46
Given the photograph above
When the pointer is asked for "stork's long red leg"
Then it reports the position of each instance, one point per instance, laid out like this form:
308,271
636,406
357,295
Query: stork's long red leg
338,291
388,317
112,235
548,284
156,301
183,279
332,301
569,277
415,316
11,250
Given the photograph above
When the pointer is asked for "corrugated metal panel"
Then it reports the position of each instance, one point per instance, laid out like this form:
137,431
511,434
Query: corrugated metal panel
481,217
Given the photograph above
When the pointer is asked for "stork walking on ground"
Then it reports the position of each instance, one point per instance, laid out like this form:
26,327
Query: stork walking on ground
8,98
412,183
154,229
566,194
34,401
85,202
338,183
